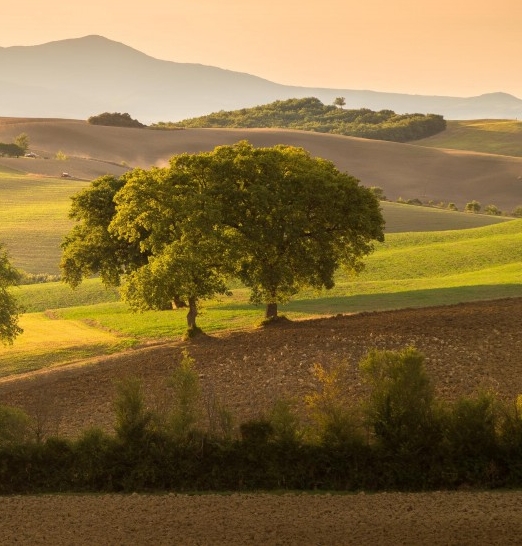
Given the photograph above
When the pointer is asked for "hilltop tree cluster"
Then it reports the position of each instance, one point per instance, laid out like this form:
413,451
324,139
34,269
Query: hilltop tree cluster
312,115
115,119
275,218
18,147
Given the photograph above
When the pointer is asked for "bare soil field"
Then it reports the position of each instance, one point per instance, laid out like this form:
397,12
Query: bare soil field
467,347
402,170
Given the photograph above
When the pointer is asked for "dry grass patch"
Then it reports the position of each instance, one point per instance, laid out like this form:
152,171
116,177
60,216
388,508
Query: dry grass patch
48,342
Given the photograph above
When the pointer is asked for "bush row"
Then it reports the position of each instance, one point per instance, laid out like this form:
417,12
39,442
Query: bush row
399,437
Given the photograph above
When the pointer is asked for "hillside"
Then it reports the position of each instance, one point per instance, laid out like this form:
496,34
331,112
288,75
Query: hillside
80,77
310,114
402,170
490,136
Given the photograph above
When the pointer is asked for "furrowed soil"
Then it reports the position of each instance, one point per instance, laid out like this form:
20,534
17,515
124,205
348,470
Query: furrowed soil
468,347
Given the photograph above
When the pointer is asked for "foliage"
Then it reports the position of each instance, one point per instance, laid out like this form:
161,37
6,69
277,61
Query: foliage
22,141
183,414
9,308
339,101
476,442
312,115
90,248
10,150
15,426
473,207
517,212
401,404
293,219
115,119
133,419
275,218
334,423
493,210
61,156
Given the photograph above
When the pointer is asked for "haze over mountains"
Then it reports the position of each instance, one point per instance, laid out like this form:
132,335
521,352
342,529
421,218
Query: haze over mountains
81,77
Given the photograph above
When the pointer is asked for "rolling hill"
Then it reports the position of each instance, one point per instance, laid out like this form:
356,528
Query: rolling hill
402,170
80,77
490,136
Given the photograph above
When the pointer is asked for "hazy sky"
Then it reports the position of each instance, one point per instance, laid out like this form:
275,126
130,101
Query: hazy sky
445,47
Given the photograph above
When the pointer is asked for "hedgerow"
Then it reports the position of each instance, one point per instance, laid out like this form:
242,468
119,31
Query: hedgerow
399,438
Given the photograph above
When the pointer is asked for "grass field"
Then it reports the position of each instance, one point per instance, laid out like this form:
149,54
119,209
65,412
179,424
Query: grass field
493,136
34,219
408,270
34,212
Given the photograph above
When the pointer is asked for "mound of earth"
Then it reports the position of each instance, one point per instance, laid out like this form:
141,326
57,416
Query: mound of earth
467,347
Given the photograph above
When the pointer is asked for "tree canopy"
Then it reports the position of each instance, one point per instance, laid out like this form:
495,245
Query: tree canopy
310,114
115,119
275,218
9,309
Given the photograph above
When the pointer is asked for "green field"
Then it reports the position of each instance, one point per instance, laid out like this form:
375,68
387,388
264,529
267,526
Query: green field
408,270
34,219
494,136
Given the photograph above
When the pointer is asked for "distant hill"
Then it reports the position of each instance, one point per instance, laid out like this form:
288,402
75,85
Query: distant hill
81,77
310,114
402,170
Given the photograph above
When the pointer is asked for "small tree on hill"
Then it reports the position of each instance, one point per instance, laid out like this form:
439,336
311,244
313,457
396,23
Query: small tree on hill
22,141
492,210
339,101
473,206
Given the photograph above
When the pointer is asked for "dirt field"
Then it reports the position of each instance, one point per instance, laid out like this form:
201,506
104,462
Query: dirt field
441,518
467,346
447,175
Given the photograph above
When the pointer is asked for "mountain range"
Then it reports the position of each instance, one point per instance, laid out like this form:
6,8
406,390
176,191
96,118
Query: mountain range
81,77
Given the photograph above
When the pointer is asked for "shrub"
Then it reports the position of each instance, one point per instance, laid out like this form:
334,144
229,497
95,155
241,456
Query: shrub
15,426
492,210
334,423
285,423
133,419
400,408
184,414
471,435
473,207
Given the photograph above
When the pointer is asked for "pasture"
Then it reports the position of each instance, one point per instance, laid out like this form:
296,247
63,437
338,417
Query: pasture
490,136
408,270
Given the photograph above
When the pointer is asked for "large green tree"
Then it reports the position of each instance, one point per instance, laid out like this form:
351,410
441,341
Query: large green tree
295,218
276,218
9,308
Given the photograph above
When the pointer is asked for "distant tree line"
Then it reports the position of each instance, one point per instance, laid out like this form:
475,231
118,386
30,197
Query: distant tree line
115,119
311,114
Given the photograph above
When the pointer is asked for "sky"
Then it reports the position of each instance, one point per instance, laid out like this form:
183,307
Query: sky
446,47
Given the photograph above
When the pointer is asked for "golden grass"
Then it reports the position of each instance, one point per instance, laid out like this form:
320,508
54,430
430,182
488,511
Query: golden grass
48,341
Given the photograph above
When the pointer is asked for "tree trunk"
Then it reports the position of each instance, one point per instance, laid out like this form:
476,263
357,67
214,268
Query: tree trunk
271,311
193,313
